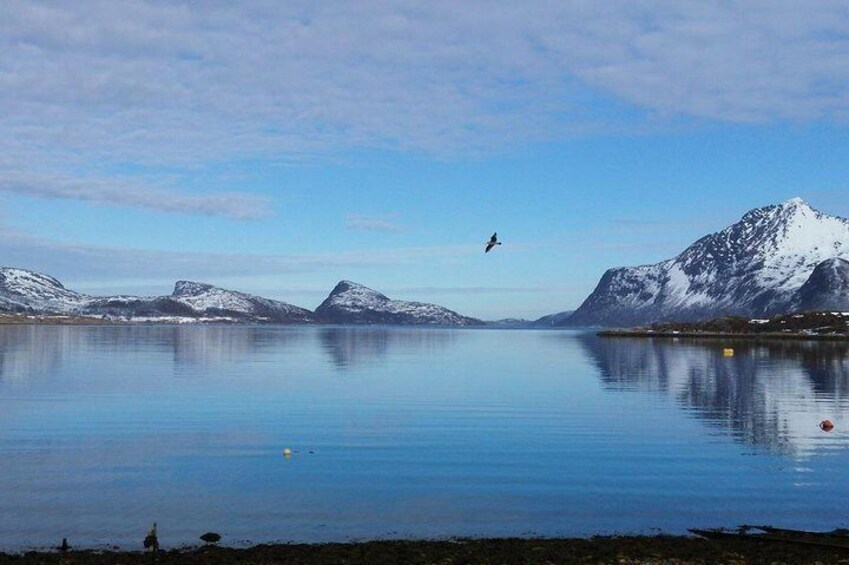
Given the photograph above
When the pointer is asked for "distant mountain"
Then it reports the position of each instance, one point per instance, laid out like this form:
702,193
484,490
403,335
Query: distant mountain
552,320
209,300
352,303
29,292
756,267
26,291
510,323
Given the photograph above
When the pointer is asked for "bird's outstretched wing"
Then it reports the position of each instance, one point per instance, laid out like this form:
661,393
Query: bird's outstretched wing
493,241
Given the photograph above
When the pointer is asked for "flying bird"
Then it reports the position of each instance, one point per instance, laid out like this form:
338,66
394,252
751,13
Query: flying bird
493,241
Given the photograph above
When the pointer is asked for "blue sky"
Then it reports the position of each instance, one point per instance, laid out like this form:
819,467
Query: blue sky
279,147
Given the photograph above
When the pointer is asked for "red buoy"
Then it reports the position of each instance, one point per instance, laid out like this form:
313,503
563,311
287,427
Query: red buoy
826,425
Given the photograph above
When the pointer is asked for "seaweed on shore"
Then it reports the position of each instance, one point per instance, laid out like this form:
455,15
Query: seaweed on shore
625,549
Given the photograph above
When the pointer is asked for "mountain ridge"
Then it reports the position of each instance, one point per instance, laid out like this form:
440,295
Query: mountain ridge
27,292
752,268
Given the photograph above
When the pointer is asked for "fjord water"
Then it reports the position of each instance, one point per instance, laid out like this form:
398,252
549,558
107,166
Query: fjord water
400,432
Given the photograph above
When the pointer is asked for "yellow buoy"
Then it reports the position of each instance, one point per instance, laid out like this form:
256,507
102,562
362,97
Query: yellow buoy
728,352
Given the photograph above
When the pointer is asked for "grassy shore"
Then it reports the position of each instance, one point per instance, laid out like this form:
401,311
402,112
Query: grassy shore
640,332
618,550
832,326
7,318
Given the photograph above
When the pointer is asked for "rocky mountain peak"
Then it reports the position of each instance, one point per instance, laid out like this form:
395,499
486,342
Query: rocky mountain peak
190,288
23,290
355,292
21,279
353,303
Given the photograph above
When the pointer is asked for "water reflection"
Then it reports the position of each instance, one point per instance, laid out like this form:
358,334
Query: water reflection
770,394
348,347
210,345
32,350
28,350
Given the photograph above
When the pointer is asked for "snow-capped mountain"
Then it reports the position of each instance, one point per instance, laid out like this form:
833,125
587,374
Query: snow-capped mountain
29,292
352,303
209,300
33,293
752,268
26,291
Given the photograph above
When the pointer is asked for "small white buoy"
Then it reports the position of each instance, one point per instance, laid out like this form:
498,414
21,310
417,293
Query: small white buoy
287,452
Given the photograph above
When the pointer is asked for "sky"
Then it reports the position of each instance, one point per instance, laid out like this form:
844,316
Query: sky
277,148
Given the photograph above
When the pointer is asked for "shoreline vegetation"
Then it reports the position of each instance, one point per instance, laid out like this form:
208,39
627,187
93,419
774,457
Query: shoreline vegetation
14,318
618,549
832,326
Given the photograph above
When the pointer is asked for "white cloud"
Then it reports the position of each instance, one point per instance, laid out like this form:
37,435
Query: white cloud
93,262
128,192
97,85
746,61
179,83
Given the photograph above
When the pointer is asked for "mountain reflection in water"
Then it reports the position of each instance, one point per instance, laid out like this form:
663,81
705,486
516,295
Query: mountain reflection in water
349,346
770,394
30,350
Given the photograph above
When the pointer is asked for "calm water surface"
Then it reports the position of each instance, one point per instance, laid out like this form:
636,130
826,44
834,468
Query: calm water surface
409,433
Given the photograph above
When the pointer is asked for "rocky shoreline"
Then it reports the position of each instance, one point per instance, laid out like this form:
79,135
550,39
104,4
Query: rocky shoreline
804,326
619,550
